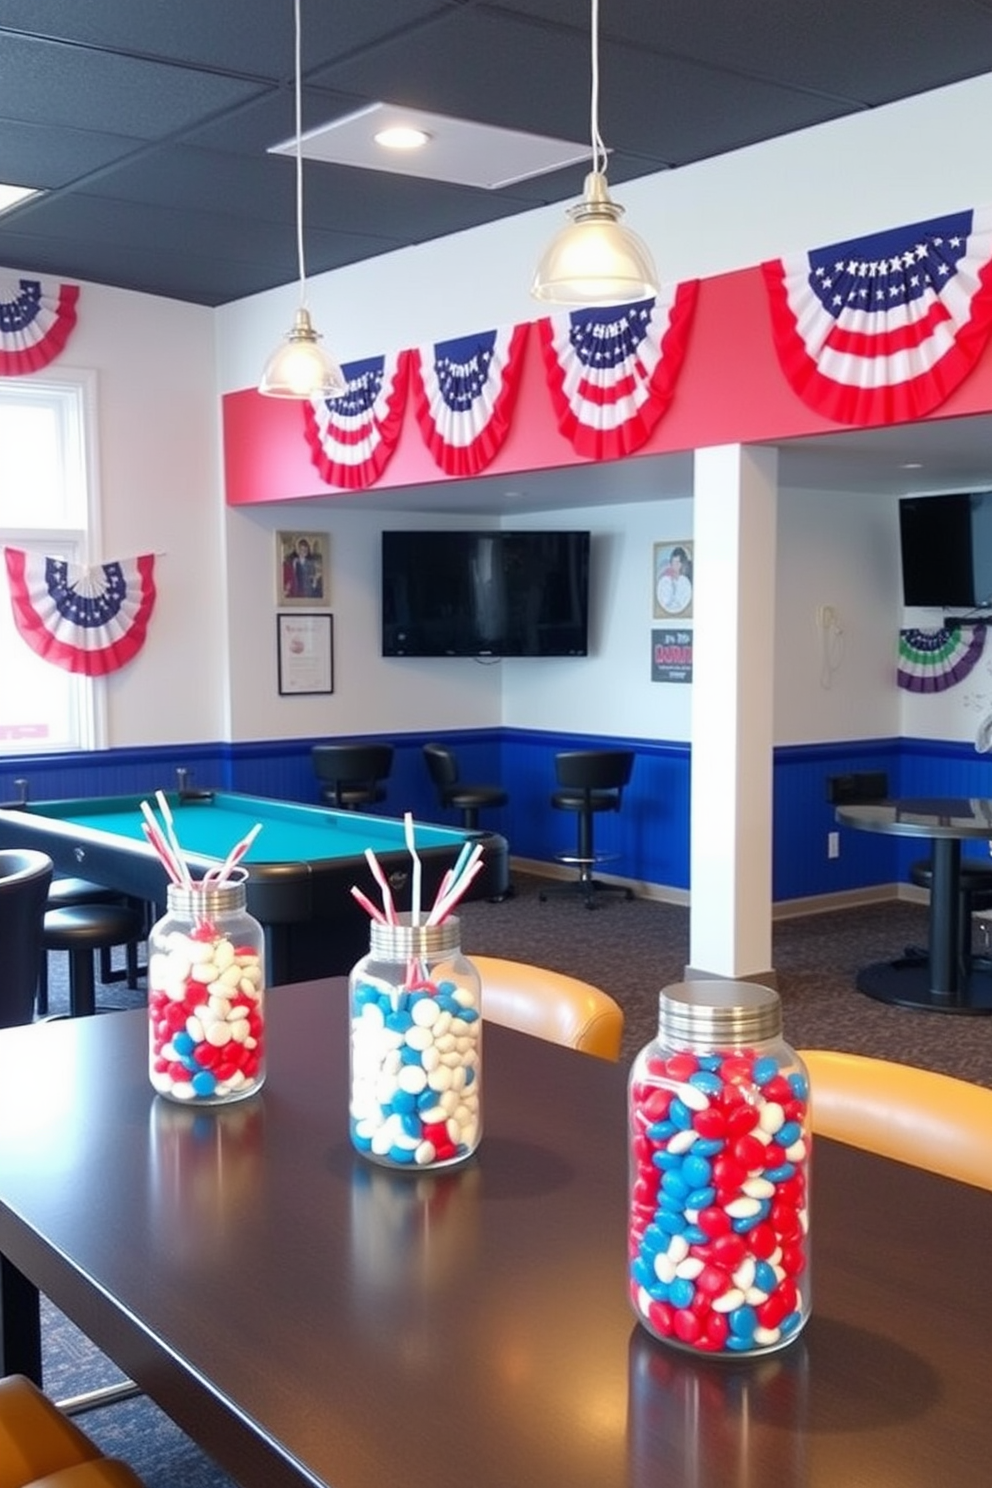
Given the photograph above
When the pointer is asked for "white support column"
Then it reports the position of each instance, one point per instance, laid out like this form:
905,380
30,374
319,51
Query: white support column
734,525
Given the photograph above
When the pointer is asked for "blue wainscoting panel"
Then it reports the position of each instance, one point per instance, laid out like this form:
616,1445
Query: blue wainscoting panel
804,818
648,839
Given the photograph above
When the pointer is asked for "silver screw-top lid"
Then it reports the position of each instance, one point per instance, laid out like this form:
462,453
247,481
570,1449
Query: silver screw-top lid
403,940
717,1014
206,901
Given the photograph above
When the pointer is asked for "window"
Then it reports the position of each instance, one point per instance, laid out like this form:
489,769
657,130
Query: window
45,507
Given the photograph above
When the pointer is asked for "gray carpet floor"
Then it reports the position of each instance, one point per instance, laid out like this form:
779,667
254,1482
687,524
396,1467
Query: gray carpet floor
633,949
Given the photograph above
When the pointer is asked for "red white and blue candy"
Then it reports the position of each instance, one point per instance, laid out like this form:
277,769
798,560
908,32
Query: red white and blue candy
719,1214
415,1071
206,1017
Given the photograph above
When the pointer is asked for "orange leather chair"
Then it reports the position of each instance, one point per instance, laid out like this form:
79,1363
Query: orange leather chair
915,1116
550,1005
41,1448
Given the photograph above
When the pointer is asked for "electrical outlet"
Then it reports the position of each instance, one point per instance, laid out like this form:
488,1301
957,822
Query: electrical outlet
833,844
826,617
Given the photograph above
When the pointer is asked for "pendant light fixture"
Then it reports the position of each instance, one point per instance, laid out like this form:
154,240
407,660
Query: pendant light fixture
595,260
299,368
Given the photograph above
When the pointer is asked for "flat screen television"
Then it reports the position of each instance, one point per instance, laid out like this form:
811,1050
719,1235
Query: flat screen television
488,594
946,545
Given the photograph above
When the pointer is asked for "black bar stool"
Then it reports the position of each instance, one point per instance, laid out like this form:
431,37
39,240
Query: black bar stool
82,929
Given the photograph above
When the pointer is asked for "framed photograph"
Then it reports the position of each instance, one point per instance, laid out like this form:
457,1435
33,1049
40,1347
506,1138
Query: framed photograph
303,569
306,654
672,580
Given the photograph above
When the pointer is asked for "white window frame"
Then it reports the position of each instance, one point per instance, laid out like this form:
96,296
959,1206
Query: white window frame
73,395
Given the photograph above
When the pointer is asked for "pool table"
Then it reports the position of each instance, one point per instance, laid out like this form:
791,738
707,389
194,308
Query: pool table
300,866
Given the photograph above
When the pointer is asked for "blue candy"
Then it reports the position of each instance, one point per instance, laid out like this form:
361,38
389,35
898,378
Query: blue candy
765,1069
696,1171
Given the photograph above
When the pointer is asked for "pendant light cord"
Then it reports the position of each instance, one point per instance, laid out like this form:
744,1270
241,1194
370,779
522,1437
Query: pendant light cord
297,70
598,148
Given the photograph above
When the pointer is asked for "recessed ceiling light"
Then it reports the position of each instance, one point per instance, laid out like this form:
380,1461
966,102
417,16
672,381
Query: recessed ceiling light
12,196
402,137
911,465
461,151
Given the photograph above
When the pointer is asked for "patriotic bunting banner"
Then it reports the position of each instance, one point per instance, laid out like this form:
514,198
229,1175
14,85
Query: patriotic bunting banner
463,395
933,660
35,323
352,437
90,620
882,329
612,373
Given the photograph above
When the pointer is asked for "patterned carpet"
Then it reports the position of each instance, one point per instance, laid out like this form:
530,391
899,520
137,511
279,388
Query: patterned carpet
632,949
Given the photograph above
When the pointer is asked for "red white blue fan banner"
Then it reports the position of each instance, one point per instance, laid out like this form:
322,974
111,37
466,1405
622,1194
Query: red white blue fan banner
934,660
464,393
882,329
612,372
353,437
35,323
90,620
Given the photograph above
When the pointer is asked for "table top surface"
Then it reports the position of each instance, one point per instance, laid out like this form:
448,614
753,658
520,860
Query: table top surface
923,816
208,824
312,1319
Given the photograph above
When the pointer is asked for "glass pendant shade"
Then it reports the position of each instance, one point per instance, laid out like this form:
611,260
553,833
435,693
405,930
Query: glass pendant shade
595,260
299,367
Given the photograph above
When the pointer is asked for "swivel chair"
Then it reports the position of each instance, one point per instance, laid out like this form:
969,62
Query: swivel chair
25,876
589,781
454,793
352,776
916,1116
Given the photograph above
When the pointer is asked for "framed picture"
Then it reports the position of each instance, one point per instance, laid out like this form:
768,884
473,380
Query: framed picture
672,580
306,654
303,569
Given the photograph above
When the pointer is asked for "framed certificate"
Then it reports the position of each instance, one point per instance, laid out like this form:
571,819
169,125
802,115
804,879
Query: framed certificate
306,654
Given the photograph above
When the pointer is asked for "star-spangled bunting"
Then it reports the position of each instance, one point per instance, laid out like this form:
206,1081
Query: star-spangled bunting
90,620
612,372
35,323
882,329
463,395
352,437
934,660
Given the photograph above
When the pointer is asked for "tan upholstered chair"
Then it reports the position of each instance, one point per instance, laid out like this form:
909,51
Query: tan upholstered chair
41,1448
916,1116
550,1005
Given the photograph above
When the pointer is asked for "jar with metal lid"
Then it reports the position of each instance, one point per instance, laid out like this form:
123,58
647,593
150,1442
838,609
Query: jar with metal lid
206,995
415,1047
719,1173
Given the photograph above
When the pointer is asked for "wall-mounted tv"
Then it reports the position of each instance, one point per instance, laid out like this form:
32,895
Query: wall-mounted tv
488,594
946,544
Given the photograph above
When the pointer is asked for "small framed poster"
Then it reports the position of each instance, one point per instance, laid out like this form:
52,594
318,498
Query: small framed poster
306,654
672,587
303,569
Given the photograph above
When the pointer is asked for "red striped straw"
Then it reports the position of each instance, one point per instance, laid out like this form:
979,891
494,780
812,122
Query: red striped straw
219,876
163,852
367,905
153,832
443,907
381,879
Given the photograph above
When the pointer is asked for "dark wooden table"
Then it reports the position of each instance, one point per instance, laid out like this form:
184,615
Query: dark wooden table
939,984
313,1320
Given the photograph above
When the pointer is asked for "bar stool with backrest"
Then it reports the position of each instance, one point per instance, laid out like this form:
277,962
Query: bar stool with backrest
352,776
590,781
24,879
456,794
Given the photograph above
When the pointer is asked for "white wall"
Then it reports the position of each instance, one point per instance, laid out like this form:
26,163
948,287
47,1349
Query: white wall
160,491
839,550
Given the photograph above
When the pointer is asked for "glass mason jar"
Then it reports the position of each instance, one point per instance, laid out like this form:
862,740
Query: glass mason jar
719,1173
206,996
415,1047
